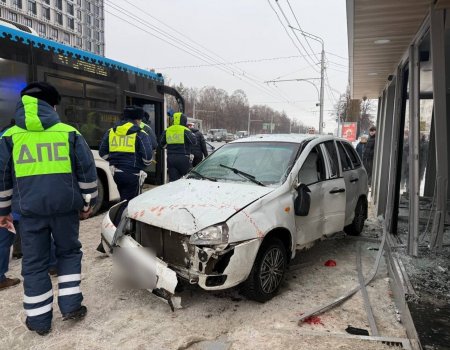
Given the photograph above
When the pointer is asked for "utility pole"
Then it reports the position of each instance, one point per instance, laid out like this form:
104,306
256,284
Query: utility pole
271,123
193,110
322,72
248,126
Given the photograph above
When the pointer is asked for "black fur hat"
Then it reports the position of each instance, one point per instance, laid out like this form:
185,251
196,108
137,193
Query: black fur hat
42,91
133,113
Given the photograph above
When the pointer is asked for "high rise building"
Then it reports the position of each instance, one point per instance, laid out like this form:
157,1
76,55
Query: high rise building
78,23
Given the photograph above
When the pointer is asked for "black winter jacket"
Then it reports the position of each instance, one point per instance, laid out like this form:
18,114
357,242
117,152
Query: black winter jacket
369,150
199,148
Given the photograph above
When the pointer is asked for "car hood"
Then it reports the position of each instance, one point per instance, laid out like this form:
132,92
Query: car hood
188,205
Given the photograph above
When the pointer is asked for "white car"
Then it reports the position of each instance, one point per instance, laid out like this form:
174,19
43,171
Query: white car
240,216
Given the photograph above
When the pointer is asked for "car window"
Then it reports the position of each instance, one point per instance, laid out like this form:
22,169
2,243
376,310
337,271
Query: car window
353,155
313,169
345,160
268,162
332,155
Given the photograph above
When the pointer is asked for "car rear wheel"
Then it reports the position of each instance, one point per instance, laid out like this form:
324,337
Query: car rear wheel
268,271
356,227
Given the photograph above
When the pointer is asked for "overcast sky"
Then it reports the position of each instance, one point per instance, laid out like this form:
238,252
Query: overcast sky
234,31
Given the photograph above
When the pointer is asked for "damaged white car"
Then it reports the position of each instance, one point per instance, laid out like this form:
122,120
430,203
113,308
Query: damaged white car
239,217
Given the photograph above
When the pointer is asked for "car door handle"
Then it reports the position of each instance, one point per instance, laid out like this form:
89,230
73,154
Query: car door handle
337,190
354,180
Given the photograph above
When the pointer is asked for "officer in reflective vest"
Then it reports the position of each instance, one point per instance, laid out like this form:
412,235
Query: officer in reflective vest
128,150
178,139
53,173
146,127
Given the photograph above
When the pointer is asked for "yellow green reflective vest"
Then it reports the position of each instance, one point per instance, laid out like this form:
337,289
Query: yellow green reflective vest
175,133
41,152
119,141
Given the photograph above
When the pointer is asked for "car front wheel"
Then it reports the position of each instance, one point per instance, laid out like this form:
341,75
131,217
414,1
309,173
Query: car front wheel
268,271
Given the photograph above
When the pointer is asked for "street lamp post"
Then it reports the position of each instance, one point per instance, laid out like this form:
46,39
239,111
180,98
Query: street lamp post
322,72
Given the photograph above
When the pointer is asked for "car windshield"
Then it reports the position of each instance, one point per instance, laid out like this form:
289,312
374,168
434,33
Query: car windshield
268,162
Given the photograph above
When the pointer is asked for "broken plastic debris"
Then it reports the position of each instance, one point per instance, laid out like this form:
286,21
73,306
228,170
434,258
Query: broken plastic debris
356,331
442,269
330,263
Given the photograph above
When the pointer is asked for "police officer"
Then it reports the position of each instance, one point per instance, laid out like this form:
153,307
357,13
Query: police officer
199,150
128,149
179,140
147,128
53,173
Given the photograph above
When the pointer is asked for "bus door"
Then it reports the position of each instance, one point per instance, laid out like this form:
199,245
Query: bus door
154,108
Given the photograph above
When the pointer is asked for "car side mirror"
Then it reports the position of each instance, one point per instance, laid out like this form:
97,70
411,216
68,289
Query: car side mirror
302,203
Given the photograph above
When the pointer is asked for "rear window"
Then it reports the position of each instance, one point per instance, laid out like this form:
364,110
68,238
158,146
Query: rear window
345,160
353,155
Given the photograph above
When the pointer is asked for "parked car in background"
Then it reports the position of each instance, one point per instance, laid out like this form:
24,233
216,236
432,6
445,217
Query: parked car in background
229,137
217,135
242,133
257,201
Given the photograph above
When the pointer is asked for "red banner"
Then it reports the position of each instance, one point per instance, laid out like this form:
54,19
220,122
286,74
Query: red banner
349,131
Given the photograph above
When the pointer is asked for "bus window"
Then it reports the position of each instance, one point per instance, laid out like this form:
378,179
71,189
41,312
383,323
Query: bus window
13,78
100,92
66,87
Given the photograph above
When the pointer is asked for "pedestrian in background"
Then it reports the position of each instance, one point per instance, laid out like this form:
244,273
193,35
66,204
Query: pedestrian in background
52,167
361,145
368,154
199,149
179,141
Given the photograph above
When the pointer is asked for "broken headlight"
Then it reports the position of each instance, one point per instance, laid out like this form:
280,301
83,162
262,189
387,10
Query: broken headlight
216,234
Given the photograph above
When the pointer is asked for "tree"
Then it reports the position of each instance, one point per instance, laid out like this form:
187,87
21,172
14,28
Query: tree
353,110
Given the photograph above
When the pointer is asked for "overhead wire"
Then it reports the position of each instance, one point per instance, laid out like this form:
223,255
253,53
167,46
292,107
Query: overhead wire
313,64
256,79
235,62
243,76
299,27
333,54
290,37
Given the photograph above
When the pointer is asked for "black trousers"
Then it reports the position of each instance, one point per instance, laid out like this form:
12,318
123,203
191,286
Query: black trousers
178,165
197,159
127,184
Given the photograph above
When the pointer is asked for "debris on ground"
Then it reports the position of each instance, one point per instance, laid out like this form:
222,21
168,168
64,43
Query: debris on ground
330,263
356,331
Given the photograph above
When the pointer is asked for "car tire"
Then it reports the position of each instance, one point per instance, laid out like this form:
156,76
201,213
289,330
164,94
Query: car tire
101,195
263,282
357,226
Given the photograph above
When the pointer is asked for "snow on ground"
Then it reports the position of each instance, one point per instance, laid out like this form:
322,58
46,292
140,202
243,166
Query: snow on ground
214,320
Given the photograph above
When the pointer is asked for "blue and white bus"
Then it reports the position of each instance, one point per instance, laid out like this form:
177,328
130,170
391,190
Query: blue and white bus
94,91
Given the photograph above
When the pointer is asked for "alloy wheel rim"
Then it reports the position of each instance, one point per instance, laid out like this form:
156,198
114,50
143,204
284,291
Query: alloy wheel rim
271,271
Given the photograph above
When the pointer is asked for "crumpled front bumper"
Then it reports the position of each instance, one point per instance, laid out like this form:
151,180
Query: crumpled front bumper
212,268
162,281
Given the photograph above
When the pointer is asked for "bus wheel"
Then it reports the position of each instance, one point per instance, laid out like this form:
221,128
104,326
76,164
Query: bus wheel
100,198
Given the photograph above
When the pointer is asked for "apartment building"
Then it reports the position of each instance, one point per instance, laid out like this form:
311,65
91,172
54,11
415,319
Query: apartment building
78,23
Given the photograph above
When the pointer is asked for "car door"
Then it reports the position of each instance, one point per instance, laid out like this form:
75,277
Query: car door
358,178
351,180
335,192
312,173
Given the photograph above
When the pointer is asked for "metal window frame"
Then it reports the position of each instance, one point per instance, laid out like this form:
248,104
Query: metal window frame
437,34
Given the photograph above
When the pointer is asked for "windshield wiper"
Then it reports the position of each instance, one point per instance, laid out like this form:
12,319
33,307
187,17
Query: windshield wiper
244,174
203,177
